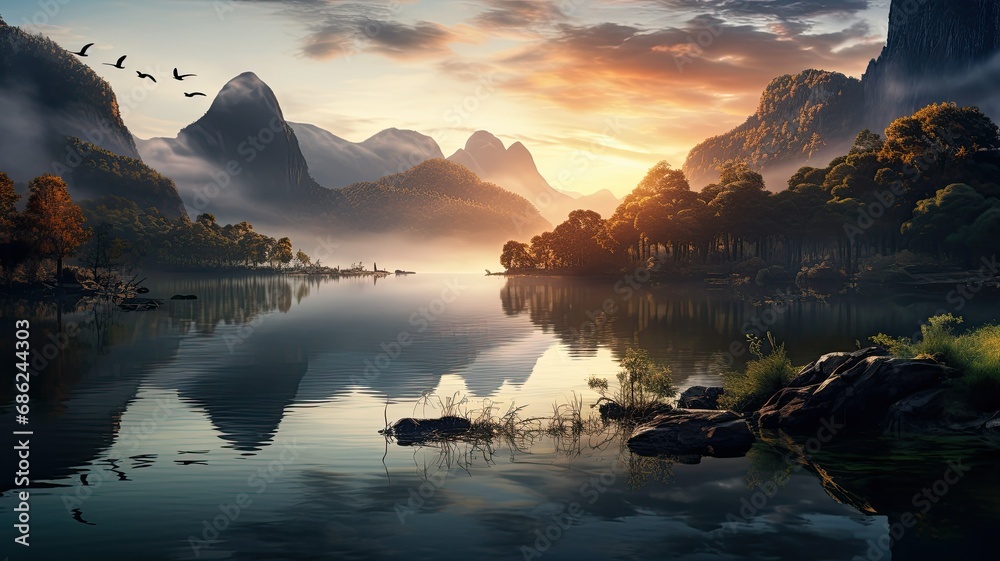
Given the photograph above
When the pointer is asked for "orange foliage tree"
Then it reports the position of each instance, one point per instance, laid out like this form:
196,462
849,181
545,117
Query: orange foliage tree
53,222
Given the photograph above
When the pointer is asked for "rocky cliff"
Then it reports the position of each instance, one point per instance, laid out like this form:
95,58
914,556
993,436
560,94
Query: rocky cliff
936,50
933,49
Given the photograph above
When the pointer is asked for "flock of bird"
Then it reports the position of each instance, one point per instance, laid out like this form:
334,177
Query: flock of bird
120,64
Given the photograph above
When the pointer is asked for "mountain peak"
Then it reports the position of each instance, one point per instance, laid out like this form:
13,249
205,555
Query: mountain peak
483,140
246,90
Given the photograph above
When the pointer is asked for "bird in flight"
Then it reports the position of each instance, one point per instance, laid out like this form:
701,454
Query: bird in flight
83,51
193,94
118,64
141,75
179,76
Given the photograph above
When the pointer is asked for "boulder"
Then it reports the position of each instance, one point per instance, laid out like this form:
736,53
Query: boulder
721,434
821,369
700,397
413,431
855,396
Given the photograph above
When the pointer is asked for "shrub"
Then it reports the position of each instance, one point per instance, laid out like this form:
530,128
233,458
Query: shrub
749,268
820,276
975,355
765,376
773,275
642,384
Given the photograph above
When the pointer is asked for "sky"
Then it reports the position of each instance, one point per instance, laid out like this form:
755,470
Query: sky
598,90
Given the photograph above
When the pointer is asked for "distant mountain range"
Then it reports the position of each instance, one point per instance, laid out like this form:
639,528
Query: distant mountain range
243,161
514,169
58,116
937,50
335,162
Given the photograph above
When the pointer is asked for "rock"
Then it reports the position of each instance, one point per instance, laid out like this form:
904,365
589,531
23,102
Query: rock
611,410
700,397
142,290
183,297
855,397
412,431
721,434
818,371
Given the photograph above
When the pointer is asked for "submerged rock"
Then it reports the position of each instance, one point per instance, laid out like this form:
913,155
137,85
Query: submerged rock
722,434
411,431
700,397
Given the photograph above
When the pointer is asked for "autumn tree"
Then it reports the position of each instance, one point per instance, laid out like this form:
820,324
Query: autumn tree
516,255
8,208
939,135
53,222
13,250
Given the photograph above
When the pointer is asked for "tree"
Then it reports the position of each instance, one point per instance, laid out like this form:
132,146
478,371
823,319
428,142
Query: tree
8,209
282,252
516,255
301,257
103,254
53,222
13,250
957,218
938,135
867,141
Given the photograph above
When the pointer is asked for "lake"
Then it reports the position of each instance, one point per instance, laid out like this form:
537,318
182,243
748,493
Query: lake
243,425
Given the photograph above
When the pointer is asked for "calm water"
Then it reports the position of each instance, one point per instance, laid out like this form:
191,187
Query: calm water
242,425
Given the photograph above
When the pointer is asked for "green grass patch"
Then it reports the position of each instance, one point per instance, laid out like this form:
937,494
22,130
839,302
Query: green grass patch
764,376
974,354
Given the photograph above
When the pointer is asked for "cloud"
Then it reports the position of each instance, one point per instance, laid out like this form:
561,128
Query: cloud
518,14
344,28
781,9
704,62
396,40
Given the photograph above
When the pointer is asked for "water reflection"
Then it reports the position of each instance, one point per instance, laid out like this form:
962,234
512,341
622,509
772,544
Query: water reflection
162,416
700,332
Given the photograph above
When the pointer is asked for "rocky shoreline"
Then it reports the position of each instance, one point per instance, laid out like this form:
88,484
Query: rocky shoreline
862,394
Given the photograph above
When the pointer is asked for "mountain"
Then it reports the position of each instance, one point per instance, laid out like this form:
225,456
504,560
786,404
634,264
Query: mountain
335,162
801,118
514,169
241,161
937,50
438,192
58,116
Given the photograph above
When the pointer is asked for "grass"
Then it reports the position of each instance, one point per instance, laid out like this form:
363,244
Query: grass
764,376
974,354
643,386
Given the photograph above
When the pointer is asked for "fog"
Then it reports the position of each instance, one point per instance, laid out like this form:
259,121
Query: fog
392,251
19,118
